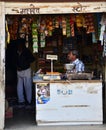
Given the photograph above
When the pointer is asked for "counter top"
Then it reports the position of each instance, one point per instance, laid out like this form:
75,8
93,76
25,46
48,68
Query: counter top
67,81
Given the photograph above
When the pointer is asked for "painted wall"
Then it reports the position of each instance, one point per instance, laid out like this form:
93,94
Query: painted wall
2,68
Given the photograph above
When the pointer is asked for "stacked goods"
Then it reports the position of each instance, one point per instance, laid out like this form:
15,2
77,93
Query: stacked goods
25,29
35,37
13,28
89,22
80,21
68,31
49,26
64,28
45,26
43,32
72,26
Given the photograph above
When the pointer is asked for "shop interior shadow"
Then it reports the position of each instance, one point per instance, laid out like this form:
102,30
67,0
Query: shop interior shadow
19,115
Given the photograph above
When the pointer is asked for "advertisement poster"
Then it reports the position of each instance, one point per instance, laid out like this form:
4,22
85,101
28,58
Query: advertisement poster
43,93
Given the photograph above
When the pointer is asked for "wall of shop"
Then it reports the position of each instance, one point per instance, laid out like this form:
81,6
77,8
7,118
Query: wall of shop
2,65
36,8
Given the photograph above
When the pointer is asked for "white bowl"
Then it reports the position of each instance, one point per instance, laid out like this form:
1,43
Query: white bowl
69,66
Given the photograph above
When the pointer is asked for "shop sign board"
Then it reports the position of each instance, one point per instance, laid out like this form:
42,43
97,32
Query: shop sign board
54,8
31,10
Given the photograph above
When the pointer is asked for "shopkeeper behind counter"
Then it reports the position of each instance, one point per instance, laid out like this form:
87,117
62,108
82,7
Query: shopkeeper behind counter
73,57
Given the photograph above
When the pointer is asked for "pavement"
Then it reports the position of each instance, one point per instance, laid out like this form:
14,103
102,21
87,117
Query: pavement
34,127
24,119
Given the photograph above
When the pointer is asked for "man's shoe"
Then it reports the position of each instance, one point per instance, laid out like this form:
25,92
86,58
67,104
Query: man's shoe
21,104
28,105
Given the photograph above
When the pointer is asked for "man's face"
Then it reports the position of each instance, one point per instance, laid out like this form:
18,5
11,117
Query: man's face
71,57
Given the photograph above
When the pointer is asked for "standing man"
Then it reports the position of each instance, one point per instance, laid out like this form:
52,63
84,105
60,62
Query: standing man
24,59
73,57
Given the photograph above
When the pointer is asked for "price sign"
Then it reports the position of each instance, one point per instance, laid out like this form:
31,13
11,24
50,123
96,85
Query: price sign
51,57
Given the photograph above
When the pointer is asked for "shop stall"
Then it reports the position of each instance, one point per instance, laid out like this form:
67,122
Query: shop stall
76,99
54,29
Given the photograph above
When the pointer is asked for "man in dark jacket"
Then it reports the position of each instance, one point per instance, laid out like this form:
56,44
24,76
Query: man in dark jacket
24,59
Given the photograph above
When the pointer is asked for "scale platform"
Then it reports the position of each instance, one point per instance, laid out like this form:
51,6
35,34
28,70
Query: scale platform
52,76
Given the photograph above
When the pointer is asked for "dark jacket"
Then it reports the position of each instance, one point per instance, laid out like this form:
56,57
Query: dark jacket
24,59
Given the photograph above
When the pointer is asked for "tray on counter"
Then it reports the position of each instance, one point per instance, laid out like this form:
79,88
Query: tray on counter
79,76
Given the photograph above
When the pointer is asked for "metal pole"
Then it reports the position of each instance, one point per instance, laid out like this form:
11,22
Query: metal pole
51,66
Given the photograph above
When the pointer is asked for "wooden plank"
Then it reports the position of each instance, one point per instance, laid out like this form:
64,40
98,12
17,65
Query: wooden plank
54,8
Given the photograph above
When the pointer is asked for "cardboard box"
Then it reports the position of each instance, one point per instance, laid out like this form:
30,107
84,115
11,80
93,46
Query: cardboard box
9,113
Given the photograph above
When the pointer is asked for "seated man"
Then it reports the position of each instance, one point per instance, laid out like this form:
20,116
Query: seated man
73,58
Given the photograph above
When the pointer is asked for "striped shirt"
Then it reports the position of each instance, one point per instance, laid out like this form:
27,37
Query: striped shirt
79,65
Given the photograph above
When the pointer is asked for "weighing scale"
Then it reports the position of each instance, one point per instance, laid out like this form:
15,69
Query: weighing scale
52,75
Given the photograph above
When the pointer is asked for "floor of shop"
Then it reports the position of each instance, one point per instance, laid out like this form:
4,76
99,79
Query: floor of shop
24,119
21,117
